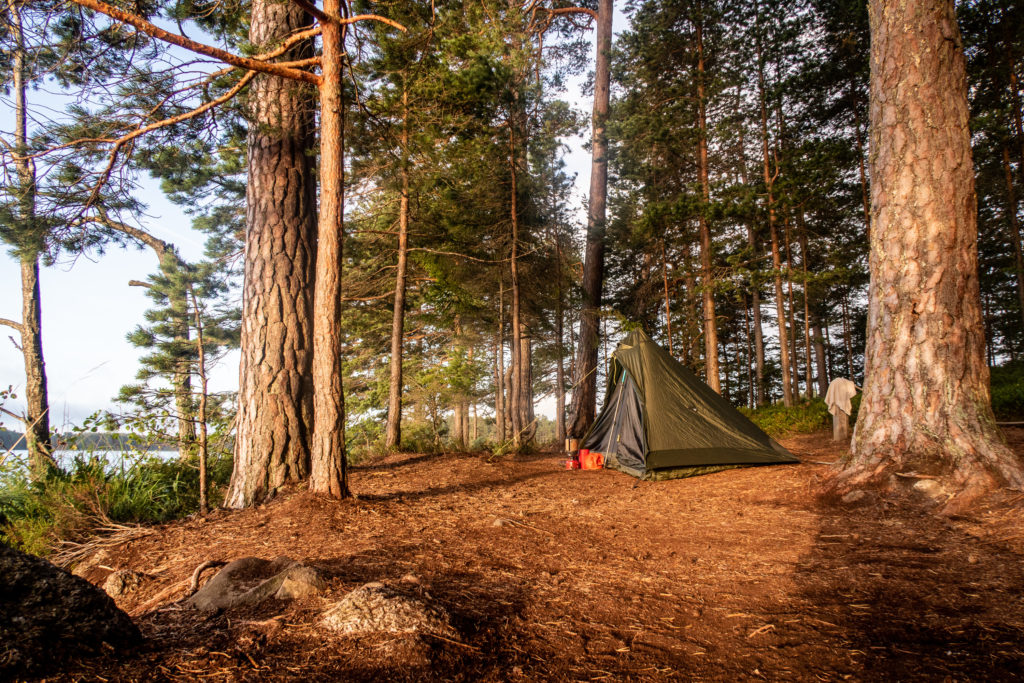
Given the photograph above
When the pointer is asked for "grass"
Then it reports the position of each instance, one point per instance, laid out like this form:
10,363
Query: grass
805,417
91,492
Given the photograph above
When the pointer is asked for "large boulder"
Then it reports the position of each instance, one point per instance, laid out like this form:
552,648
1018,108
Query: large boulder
47,614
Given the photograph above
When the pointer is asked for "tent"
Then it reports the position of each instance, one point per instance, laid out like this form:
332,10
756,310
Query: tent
659,421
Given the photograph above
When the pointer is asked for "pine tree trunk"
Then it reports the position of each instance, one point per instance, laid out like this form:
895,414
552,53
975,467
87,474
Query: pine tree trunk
926,390
807,307
584,395
329,467
37,409
394,428
1018,126
751,399
865,198
820,358
515,397
560,366
527,418
668,310
769,182
755,288
790,306
275,396
500,425
30,244
1011,211
711,372
847,333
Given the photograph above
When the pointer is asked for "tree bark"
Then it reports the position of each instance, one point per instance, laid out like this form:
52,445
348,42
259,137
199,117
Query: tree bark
711,372
791,307
204,505
394,427
1014,229
275,397
584,395
499,368
926,397
668,310
329,471
820,358
30,245
769,182
807,306
517,331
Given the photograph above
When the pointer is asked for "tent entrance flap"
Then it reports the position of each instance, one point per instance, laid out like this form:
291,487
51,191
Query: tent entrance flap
620,431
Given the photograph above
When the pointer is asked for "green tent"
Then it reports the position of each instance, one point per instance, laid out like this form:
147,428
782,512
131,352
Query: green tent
660,421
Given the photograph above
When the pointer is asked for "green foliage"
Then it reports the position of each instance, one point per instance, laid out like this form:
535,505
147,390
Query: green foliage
1008,391
92,491
803,418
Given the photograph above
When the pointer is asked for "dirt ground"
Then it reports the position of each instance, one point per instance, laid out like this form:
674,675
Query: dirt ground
566,575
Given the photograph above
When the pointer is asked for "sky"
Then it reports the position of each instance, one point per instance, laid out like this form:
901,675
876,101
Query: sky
88,307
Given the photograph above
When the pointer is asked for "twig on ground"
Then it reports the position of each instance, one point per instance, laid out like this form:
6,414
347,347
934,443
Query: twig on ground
197,574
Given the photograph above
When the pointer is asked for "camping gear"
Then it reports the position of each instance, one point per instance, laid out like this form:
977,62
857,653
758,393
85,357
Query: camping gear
590,460
659,421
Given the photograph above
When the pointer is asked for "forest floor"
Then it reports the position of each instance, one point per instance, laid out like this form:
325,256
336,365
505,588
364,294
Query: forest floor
559,575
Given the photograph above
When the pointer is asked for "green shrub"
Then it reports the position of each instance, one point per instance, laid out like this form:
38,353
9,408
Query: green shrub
92,491
1008,391
803,418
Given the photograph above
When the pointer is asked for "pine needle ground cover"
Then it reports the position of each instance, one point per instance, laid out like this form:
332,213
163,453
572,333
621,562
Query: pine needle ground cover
562,575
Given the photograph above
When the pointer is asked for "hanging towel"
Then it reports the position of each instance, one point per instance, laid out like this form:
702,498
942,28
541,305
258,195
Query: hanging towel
840,391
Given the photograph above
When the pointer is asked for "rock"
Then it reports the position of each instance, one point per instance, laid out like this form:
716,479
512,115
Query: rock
498,522
376,608
300,582
854,496
930,488
122,582
47,614
251,580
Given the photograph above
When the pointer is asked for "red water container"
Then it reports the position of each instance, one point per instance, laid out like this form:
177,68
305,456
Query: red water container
591,461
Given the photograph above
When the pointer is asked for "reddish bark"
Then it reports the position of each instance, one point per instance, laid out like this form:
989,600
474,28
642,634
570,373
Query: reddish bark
926,390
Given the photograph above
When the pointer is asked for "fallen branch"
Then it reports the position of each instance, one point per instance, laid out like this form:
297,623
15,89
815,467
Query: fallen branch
197,574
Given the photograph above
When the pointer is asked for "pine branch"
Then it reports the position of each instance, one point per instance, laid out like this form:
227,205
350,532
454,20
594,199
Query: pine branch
174,39
11,323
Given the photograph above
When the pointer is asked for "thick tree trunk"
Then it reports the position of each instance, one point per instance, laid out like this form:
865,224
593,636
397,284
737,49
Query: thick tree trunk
275,396
394,427
706,251
329,467
1014,226
584,395
926,389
